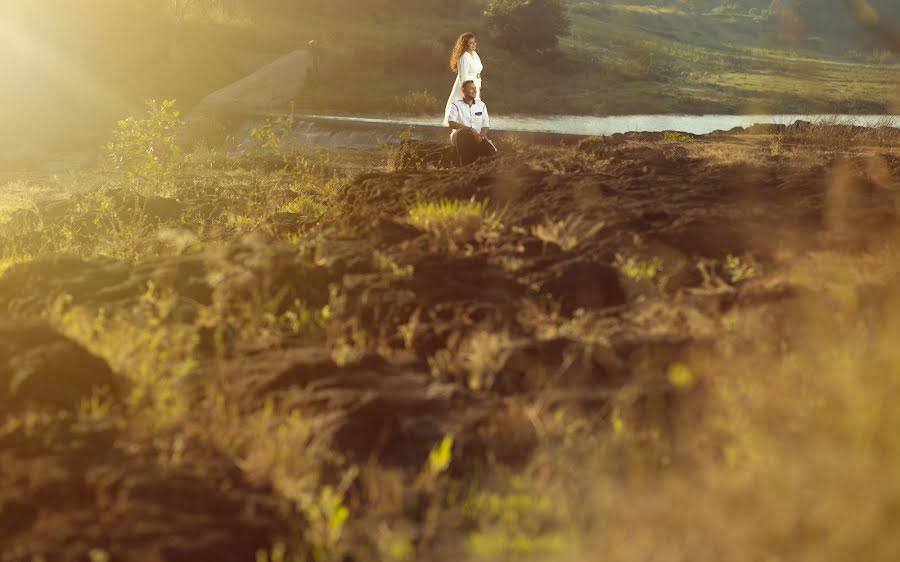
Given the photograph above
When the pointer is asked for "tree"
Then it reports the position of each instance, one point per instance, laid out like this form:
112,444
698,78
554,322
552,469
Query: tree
527,25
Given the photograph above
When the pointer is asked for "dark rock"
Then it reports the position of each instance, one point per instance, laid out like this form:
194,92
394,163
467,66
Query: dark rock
69,488
30,287
585,284
766,128
554,364
41,368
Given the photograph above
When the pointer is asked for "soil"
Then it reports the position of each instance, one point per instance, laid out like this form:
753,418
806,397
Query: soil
452,334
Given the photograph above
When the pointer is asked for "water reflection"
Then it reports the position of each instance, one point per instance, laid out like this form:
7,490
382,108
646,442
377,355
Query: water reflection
586,125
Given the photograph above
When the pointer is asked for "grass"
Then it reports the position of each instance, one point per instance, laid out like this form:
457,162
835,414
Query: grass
454,220
620,59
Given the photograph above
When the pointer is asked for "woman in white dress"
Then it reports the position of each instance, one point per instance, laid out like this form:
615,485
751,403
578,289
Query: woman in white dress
465,62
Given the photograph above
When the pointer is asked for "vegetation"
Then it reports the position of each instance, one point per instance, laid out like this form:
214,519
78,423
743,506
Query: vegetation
527,25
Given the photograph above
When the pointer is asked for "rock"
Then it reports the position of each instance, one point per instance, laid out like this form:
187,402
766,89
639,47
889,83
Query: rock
68,488
766,128
41,368
29,288
367,407
585,284
556,364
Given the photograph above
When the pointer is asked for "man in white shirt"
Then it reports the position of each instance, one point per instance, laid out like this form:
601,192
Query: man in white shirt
470,122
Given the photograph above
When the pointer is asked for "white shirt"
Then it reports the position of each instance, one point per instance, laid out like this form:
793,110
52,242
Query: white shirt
469,67
475,115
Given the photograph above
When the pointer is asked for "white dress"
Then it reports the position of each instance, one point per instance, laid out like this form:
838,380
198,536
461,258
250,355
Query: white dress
469,67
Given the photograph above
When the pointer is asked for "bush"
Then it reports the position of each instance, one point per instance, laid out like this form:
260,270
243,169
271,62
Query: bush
527,25
418,103
146,148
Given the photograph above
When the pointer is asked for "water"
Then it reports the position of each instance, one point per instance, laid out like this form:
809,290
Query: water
587,125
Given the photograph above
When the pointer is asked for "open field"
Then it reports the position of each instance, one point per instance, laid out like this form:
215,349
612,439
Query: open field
640,347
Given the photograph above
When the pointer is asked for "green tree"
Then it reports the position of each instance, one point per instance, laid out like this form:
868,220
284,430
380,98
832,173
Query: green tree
527,25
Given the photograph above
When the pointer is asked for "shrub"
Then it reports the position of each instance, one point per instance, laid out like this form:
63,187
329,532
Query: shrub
418,103
146,149
527,25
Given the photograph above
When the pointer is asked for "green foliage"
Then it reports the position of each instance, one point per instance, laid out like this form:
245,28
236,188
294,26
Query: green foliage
147,148
405,156
527,25
637,269
739,269
326,515
420,102
676,137
276,135
440,456
776,148
516,525
7,262
568,232
456,220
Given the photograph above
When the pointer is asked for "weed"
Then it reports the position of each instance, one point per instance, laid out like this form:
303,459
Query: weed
568,232
455,220
676,137
326,515
776,149
440,456
637,269
146,148
421,102
6,263
739,270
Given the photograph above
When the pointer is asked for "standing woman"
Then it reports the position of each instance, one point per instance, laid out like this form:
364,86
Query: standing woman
465,62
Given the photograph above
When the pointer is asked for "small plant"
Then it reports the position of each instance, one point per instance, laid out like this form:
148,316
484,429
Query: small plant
326,515
776,149
145,343
476,361
676,137
146,148
739,269
514,143
440,456
455,220
405,155
568,232
637,269
515,525
276,135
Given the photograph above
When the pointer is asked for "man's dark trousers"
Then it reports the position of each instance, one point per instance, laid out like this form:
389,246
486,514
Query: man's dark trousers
470,149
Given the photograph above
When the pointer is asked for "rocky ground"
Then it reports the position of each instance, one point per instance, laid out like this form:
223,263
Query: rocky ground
177,388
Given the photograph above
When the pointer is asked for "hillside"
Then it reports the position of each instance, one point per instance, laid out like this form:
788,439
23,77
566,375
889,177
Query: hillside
620,58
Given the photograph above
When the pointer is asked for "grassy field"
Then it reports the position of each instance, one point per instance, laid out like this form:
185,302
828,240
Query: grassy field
619,59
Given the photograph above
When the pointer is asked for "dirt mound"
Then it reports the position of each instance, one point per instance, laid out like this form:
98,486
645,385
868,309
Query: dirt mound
43,369
69,490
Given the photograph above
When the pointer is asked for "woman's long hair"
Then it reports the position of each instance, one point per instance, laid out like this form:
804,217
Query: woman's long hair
459,49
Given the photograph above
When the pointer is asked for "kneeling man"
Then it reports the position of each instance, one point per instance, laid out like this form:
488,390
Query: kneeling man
469,120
